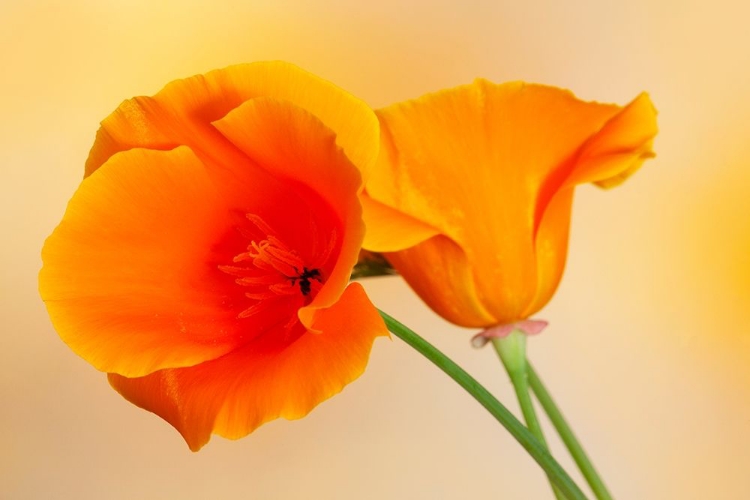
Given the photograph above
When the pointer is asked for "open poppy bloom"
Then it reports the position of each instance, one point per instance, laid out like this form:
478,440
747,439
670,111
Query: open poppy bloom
471,197
204,261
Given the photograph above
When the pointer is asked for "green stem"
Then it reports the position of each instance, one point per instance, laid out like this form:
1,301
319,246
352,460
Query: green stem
566,433
538,452
512,352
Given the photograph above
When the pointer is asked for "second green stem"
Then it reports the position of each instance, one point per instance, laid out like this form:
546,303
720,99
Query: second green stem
566,433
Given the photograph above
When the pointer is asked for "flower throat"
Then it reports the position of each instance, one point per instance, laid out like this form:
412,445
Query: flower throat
271,270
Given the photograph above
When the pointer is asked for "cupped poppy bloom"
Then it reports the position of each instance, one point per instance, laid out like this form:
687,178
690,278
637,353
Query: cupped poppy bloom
204,261
471,198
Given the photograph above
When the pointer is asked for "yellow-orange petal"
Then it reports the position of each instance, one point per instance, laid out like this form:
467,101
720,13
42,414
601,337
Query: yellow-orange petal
392,230
607,158
233,395
130,276
182,112
620,147
477,162
551,249
451,288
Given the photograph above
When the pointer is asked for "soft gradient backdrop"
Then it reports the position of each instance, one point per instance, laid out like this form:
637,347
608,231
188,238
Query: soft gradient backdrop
648,351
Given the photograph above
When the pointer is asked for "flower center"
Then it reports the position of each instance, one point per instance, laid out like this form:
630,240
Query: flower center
271,270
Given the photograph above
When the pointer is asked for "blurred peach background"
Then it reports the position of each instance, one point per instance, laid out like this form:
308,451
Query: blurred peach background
648,351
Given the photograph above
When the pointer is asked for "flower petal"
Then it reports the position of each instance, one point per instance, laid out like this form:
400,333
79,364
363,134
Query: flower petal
620,147
551,249
181,113
438,270
607,158
266,382
473,161
130,276
392,230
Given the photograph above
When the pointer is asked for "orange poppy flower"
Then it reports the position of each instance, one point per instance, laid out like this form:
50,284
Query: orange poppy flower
205,258
470,200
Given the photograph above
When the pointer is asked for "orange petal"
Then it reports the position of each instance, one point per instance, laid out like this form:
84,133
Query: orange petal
233,395
391,230
450,288
130,276
478,162
182,112
607,158
129,126
551,249
620,148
